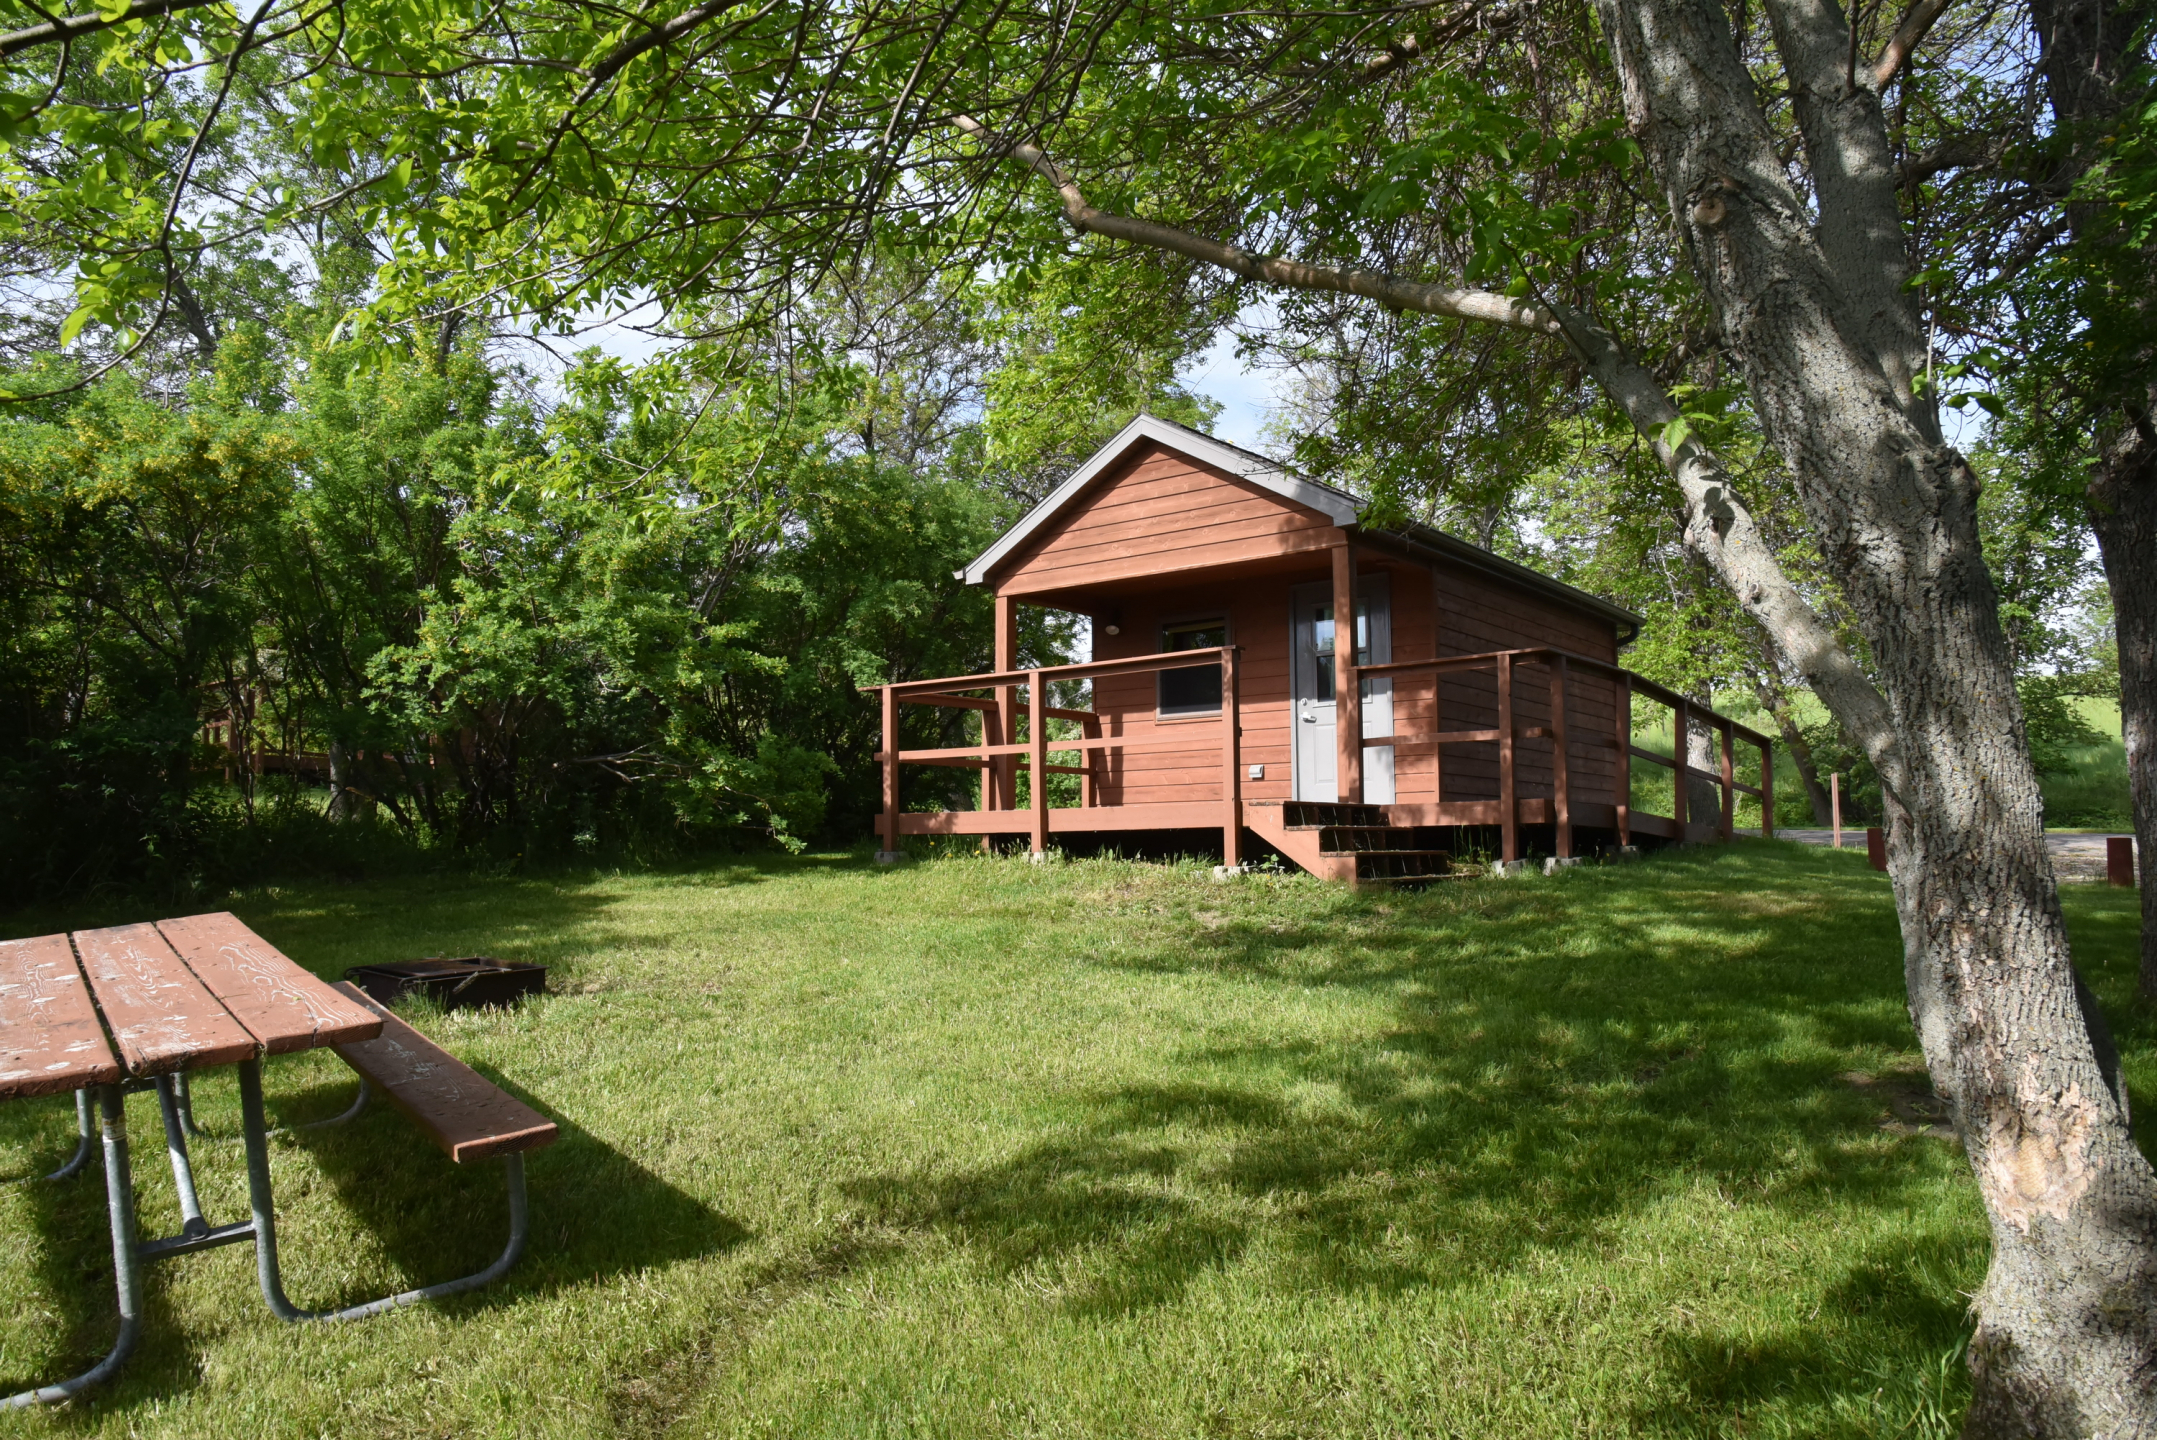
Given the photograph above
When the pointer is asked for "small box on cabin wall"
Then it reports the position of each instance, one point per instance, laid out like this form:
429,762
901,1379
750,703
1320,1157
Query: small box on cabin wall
1258,772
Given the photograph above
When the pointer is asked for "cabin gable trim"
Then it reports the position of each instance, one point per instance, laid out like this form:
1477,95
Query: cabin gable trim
1241,464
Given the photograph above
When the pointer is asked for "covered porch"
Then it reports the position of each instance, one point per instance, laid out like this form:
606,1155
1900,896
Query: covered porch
1505,748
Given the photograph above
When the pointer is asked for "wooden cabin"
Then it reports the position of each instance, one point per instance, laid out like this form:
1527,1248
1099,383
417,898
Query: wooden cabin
1479,701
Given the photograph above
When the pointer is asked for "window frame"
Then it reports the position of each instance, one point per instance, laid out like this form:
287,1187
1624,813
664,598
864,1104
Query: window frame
1196,620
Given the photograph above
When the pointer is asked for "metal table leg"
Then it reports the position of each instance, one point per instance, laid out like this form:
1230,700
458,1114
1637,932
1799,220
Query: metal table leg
183,1169
359,1103
186,1096
120,1207
187,1113
254,1129
83,1136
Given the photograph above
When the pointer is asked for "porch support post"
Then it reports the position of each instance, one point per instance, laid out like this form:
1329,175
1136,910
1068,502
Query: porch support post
1625,757
1561,775
1007,702
1231,762
1037,757
1508,795
1437,749
1347,698
1088,730
1437,694
890,757
1728,821
1767,791
1681,724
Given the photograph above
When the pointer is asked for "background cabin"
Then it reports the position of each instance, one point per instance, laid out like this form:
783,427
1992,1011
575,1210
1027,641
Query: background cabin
1224,693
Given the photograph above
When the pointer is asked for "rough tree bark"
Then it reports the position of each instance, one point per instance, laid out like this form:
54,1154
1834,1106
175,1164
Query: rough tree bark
2066,1341
344,805
1830,344
2123,511
2088,60
1703,759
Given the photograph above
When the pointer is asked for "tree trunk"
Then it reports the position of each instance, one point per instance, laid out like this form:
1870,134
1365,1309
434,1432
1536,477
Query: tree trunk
2123,511
343,803
2089,63
1704,764
2066,1341
1776,701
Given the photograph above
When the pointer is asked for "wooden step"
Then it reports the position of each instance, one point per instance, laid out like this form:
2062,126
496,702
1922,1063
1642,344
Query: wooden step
1314,814
1363,839
1399,866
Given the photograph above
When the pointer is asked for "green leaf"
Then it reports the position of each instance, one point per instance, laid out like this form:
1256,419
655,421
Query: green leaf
72,326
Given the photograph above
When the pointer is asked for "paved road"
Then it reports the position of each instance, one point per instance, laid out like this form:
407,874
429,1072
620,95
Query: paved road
2074,856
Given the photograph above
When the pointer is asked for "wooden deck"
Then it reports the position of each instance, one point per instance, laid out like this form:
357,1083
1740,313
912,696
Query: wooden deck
1546,756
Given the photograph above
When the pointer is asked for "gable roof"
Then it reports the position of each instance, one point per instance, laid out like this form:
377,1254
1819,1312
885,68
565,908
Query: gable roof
1336,505
1342,508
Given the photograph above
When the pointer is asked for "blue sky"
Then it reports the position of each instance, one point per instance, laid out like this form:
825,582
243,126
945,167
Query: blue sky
1246,395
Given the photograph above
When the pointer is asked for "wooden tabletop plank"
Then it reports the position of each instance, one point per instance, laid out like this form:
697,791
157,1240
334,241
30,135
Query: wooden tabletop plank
461,1110
161,1017
50,1041
281,1005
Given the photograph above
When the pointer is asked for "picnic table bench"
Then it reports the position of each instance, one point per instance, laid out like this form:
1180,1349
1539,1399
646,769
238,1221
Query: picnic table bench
141,1007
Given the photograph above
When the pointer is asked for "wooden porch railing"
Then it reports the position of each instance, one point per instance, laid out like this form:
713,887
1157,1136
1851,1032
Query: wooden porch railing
1000,759
1562,666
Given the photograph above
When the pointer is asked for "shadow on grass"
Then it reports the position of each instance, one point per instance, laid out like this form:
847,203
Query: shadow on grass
1888,1304
1563,1058
74,1318
595,1213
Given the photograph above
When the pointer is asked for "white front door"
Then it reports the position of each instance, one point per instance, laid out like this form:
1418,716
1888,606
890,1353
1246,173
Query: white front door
1311,640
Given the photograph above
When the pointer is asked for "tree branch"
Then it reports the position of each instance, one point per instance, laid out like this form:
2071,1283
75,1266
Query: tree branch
1717,524
1958,152
1859,226
1905,40
72,27
1396,294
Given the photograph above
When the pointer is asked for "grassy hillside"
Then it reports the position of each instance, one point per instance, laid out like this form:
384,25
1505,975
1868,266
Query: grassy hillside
977,1148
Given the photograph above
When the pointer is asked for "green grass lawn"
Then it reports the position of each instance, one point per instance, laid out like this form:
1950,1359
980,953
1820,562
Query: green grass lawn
979,1148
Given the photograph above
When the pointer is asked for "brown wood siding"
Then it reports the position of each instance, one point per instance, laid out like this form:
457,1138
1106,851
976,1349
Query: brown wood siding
1480,614
1162,512
1176,527
1257,613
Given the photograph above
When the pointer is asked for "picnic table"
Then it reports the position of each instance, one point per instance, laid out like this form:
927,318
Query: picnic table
140,1008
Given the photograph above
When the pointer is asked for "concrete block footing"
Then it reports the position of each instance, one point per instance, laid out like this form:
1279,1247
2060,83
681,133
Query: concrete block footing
1502,869
1554,863
1228,872
890,857
1626,852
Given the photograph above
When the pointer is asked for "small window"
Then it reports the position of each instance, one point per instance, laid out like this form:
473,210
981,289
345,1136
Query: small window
1322,649
1322,652
1196,691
